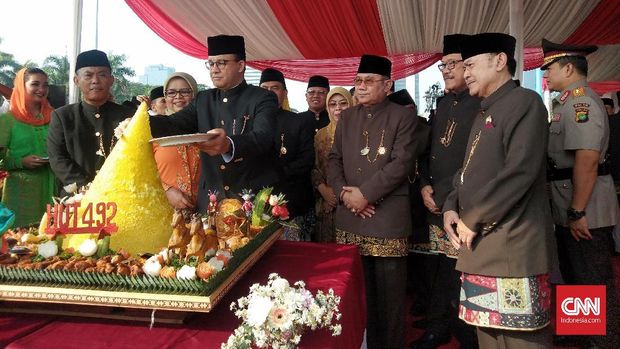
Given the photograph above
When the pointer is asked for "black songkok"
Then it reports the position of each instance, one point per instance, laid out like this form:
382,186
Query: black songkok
157,92
318,81
271,74
370,64
226,44
92,58
474,45
401,97
452,43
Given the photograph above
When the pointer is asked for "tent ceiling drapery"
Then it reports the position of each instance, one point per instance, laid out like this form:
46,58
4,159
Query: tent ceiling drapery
327,37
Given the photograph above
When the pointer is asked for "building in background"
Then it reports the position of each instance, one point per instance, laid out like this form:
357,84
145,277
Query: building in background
155,75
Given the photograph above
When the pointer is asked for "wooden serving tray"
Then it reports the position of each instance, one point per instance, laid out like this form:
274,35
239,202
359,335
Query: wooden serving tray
11,294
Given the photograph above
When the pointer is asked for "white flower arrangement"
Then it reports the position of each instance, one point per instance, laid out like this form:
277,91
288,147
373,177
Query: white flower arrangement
275,315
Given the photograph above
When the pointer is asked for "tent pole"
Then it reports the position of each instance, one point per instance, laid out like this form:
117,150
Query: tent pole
74,49
516,29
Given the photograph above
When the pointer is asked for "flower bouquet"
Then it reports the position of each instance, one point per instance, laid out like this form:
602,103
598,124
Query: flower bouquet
275,315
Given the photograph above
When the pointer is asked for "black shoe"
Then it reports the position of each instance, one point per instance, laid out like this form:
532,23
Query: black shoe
429,341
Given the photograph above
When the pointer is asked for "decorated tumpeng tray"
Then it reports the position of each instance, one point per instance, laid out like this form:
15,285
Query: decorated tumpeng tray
141,291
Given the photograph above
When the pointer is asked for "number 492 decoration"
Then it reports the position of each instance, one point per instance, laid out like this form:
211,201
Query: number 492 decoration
95,218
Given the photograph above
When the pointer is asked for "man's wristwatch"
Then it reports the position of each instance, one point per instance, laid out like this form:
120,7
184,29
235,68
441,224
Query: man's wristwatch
574,215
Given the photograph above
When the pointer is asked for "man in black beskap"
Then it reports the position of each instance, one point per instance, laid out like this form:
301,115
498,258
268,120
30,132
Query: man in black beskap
294,151
316,95
241,116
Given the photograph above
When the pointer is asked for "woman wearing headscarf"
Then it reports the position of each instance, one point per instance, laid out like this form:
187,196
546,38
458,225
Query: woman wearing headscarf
338,99
30,184
179,166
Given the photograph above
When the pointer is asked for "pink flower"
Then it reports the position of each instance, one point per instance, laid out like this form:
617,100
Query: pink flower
279,318
280,212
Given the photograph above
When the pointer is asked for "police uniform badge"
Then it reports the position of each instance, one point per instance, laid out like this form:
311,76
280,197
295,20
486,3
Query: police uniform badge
556,117
579,92
581,113
564,96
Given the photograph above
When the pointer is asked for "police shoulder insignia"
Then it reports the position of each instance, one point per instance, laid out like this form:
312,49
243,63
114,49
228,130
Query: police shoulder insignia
581,115
579,92
564,96
581,105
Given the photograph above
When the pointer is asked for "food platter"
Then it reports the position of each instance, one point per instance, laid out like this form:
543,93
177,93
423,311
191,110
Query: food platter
184,139
24,289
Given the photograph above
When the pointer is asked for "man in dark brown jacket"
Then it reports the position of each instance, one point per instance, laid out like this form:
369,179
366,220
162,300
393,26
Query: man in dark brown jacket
503,228
371,157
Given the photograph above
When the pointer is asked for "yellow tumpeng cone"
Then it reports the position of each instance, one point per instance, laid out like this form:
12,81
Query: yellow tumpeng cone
129,177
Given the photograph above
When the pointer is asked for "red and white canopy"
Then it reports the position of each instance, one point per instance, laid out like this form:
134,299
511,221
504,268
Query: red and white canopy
327,37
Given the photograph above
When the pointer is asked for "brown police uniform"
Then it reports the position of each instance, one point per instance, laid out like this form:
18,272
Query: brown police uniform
579,121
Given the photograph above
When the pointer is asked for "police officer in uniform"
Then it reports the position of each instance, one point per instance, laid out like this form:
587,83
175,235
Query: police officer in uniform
503,229
240,116
294,151
452,122
372,155
81,135
316,96
584,207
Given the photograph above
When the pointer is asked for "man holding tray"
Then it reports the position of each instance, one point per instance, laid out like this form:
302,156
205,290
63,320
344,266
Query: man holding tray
241,119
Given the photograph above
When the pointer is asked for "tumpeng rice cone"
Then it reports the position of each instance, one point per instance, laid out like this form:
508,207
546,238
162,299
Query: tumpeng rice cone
129,177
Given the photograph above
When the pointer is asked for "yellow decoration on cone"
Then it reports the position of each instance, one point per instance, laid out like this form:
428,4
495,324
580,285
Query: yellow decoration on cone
129,177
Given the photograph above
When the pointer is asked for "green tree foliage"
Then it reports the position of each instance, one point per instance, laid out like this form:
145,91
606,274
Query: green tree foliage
8,68
121,90
57,69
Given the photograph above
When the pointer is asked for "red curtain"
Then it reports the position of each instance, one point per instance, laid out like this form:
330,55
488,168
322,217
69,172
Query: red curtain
328,28
602,87
601,27
532,58
342,71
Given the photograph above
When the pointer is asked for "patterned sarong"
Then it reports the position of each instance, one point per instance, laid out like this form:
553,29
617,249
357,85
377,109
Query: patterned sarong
506,303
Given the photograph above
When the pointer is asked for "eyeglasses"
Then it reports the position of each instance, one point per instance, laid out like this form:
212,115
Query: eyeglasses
219,64
316,92
450,65
184,92
343,104
366,81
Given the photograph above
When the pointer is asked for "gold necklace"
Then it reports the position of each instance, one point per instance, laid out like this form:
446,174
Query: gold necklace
446,140
474,144
234,124
282,147
366,150
101,152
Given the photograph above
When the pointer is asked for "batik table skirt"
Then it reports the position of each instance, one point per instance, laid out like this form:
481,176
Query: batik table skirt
505,303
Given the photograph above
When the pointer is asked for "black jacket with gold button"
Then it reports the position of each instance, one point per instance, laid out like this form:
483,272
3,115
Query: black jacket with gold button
247,113
449,133
294,149
74,139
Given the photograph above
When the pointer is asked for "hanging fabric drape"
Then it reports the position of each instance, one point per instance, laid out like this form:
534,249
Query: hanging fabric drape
303,38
